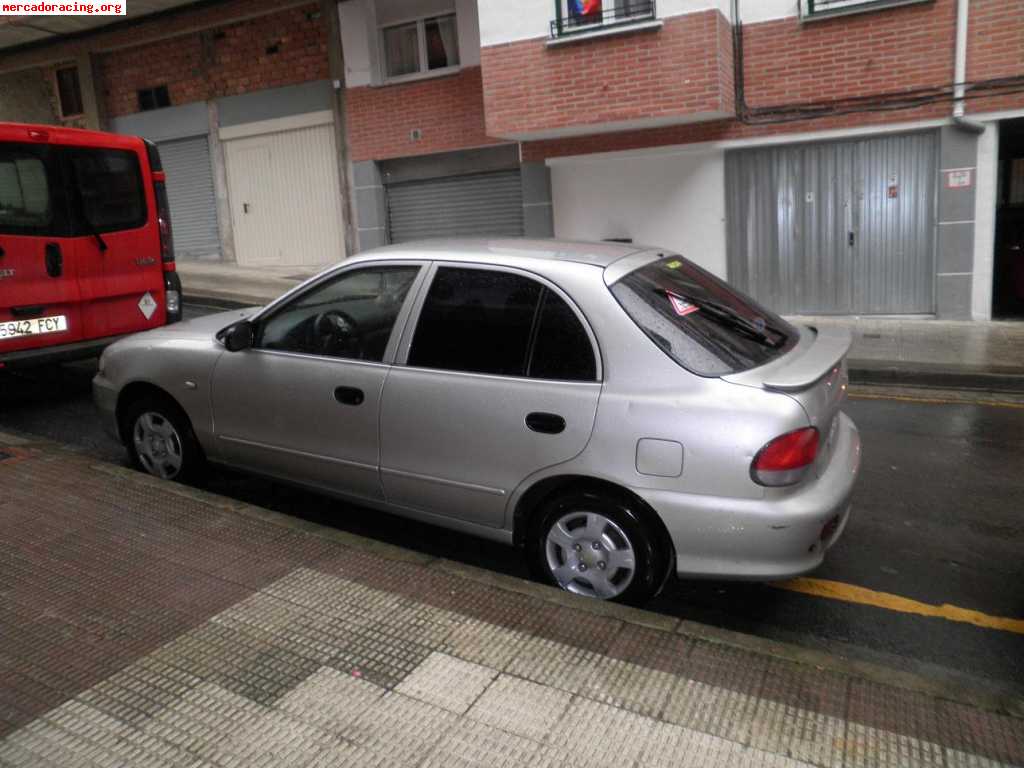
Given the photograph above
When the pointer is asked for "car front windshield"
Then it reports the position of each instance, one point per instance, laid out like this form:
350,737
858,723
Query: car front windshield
699,321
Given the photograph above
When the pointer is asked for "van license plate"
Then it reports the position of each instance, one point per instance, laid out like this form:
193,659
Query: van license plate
12,329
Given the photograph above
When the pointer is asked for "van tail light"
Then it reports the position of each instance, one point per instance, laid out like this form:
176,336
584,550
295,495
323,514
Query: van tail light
163,220
785,460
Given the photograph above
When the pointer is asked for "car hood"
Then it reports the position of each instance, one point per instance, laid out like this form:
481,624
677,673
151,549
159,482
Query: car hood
203,327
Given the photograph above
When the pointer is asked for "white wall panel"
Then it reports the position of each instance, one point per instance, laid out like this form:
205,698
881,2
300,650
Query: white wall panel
676,201
285,198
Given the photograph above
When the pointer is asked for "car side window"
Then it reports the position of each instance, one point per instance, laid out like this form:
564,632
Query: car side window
562,349
488,321
351,316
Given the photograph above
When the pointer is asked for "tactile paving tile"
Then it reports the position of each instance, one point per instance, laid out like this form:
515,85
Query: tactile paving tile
802,734
551,663
483,643
330,699
274,738
707,708
665,651
447,682
400,728
471,744
383,659
629,686
591,733
672,746
866,746
569,626
521,707
201,719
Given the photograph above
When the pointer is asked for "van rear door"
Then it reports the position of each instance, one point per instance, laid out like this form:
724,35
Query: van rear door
40,304
117,243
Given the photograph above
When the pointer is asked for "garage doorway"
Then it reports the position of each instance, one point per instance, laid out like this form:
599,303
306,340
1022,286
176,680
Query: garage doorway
285,197
1008,267
835,227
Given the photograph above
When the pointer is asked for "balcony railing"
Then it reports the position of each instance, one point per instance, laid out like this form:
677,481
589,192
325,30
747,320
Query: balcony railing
817,8
573,17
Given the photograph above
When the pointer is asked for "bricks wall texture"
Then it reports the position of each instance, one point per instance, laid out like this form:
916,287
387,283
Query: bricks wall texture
678,70
222,61
449,111
786,62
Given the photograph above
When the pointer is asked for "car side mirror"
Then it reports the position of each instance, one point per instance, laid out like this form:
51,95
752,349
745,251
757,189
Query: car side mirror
237,336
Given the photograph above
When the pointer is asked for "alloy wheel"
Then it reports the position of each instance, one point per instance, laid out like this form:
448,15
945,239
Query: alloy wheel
158,445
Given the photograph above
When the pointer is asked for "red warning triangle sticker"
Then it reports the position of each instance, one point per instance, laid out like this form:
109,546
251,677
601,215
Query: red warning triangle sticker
681,306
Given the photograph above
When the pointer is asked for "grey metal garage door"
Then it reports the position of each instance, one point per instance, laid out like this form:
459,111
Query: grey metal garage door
835,227
480,204
190,193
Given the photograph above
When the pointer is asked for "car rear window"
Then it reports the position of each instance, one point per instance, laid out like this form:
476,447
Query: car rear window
699,321
109,183
24,191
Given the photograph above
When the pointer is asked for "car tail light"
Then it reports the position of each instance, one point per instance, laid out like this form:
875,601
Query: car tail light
163,220
784,460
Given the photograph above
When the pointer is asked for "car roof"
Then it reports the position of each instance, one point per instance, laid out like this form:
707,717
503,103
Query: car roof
53,134
509,251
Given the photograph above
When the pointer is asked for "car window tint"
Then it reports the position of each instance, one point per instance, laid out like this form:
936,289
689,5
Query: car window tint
25,206
476,320
700,321
349,317
562,349
109,186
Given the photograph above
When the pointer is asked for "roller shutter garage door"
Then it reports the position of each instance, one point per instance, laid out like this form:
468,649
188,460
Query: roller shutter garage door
479,204
842,227
190,195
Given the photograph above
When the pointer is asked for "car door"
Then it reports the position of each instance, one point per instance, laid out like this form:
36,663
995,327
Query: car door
303,403
39,295
501,379
117,243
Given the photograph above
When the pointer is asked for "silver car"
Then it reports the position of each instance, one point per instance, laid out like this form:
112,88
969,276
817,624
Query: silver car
617,412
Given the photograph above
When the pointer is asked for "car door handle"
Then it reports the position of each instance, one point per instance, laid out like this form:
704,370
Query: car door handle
548,423
54,260
349,395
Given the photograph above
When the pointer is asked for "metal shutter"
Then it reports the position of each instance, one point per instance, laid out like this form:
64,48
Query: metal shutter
190,192
456,206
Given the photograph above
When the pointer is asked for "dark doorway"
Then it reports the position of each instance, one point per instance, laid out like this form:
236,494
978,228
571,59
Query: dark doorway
1008,278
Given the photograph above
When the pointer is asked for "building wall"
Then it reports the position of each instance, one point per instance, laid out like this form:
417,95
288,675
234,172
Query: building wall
448,111
230,60
674,201
679,72
27,97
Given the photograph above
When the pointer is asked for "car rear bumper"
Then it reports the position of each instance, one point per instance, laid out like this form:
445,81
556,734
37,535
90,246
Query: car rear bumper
104,395
61,353
776,537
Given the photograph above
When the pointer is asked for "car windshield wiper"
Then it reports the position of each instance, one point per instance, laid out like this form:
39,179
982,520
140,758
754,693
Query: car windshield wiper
732,319
89,226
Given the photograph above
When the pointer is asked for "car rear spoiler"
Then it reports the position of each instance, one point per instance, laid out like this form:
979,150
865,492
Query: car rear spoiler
817,353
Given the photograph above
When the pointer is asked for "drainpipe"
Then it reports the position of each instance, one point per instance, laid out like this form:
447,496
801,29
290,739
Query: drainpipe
960,70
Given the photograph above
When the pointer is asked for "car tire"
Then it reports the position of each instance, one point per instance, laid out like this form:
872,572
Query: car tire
597,545
160,440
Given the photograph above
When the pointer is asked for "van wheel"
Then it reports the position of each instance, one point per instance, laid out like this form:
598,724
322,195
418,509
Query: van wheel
597,546
160,440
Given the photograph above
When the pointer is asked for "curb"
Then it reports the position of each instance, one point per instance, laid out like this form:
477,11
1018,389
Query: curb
1006,702
930,376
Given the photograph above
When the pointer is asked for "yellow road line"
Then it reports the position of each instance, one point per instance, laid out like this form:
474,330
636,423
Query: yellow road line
850,593
937,401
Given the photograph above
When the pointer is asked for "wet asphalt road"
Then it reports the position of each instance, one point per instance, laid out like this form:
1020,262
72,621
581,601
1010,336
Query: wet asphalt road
938,518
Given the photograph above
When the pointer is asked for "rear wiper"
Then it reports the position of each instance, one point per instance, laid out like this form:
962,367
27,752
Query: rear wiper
732,319
740,323
89,226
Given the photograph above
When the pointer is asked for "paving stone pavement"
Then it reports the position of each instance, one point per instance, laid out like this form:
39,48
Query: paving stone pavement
145,624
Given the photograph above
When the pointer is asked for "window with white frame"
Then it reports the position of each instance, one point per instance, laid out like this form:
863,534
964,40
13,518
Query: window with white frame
422,46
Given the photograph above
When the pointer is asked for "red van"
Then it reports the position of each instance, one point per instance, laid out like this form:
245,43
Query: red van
86,254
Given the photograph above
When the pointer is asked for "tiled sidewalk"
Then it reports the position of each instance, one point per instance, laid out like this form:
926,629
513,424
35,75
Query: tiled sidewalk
148,624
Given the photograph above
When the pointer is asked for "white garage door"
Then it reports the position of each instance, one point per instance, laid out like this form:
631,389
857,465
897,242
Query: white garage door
285,199
190,195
